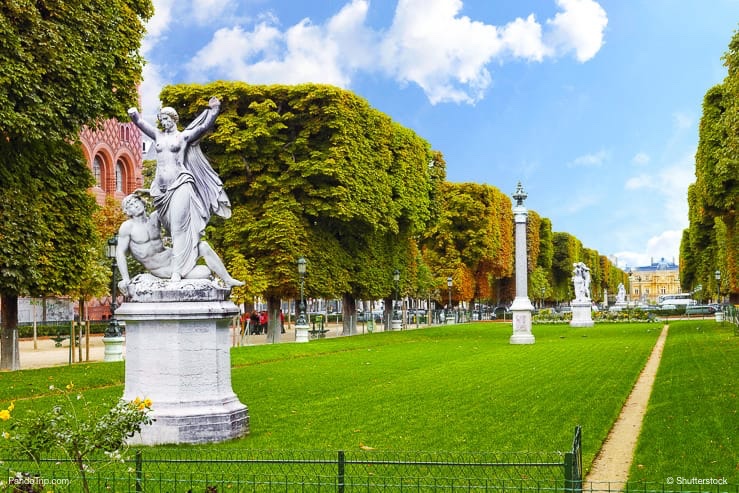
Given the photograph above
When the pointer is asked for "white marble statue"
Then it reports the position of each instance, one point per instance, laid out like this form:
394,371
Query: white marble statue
581,281
621,296
186,190
140,236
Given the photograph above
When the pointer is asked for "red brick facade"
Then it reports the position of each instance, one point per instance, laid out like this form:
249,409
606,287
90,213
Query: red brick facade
114,155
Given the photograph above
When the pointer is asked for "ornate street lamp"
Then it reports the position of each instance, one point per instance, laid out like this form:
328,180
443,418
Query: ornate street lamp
449,281
113,330
301,314
396,322
717,274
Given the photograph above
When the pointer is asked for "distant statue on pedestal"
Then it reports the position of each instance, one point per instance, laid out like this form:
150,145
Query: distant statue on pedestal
621,296
581,305
581,281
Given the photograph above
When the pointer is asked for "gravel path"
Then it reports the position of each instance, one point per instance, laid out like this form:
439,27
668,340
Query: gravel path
611,466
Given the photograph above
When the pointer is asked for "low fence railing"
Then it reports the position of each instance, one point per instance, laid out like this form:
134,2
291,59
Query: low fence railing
210,470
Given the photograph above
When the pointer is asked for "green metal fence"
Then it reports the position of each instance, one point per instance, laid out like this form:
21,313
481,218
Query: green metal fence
210,470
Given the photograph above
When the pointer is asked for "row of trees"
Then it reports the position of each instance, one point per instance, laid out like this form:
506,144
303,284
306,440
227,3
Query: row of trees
313,171
711,241
62,66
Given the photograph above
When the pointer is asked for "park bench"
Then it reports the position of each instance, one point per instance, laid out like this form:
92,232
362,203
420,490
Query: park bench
318,333
59,338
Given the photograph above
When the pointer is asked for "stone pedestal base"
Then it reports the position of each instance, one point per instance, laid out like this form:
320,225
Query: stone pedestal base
301,333
521,314
178,355
581,314
396,324
113,348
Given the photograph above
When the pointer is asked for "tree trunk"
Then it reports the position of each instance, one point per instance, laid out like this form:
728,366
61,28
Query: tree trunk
349,315
274,325
9,351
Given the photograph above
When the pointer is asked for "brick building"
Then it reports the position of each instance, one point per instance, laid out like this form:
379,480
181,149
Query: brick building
114,155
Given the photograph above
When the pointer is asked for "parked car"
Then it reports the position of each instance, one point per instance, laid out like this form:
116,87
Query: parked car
700,310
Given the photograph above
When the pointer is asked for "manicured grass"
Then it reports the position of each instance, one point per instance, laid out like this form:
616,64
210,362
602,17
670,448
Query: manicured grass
453,388
692,424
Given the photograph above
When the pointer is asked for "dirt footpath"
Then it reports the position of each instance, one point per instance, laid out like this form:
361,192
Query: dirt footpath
611,466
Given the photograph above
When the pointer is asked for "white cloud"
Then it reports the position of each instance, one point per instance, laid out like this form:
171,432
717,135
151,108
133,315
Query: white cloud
446,54
304,52
207,11
579,28
664,245
590,160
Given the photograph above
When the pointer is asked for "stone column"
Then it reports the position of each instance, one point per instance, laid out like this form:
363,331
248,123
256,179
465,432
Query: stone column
521,307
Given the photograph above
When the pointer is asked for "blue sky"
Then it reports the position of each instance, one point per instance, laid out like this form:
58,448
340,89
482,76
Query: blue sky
593,105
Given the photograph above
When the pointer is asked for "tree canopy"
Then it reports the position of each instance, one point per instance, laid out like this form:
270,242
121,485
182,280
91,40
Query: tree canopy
63,65
313,171
711,242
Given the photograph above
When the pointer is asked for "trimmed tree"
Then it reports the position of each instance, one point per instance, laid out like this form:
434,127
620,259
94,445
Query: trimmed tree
63,66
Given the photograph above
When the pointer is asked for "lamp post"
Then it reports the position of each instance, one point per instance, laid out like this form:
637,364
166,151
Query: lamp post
301,324
541,304
720,309
113,338
449,315
113,330
717,275
396,321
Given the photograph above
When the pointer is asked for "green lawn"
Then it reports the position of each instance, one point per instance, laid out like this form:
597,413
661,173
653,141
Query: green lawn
692,426
452,388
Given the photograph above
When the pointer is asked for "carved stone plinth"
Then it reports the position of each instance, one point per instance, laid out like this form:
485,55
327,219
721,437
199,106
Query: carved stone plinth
581,314
178,355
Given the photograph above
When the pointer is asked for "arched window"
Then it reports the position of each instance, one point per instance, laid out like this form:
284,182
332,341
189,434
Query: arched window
97,166
119,177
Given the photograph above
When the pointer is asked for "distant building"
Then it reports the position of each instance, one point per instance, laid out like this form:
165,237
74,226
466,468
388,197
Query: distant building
649,282
114,156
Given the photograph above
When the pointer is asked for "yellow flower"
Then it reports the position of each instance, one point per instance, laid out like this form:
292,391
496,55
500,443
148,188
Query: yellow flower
147,402
136,401
5,415
11,406
70,386
6,435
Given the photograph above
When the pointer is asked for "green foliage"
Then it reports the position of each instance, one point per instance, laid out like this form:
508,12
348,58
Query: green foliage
65,65
313,171
472,240
47,238
713,234
74,428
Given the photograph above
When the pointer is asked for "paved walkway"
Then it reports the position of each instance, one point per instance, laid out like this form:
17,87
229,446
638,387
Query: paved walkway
610,469
46,353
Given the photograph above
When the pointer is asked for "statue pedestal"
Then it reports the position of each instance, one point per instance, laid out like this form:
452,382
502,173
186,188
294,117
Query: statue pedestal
581,314
521,315
301,333
178,355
